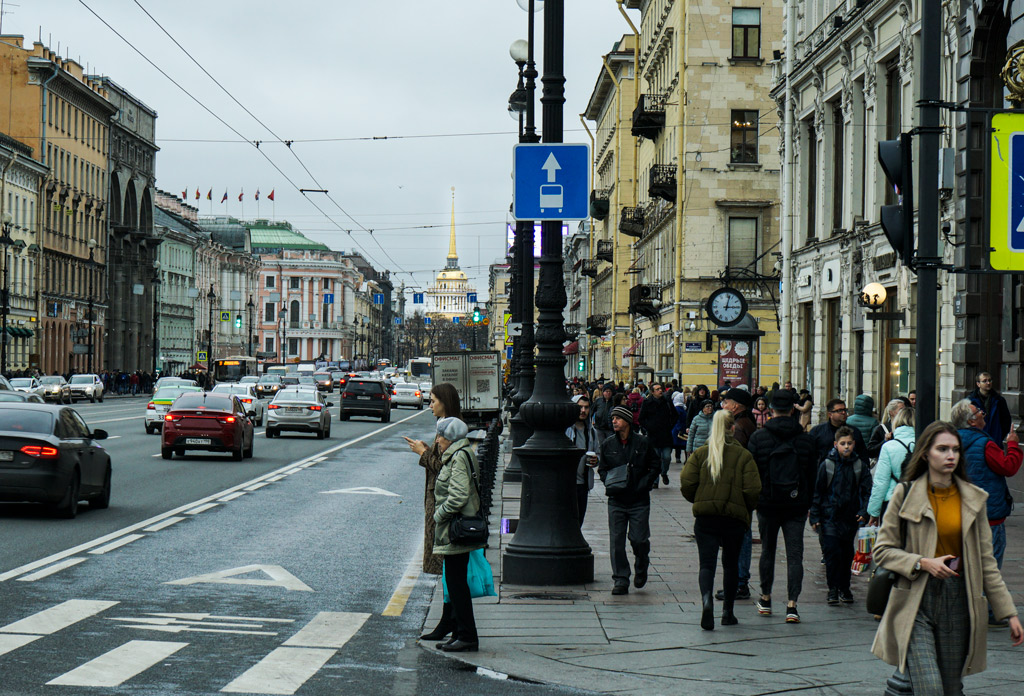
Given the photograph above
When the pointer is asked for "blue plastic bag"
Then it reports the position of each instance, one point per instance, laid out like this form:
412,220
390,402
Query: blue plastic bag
478,575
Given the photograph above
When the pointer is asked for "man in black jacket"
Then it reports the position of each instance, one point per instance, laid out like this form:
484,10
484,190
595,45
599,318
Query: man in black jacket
629,511
788,462
824,434
601,411
657,416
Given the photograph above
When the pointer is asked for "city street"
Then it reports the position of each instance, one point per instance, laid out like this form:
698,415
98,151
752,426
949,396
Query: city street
294,572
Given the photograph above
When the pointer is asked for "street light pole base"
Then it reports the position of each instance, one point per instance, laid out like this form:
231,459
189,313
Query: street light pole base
520,432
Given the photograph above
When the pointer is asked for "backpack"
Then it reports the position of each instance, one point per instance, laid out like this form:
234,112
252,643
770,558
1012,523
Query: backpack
830,471
785,475
906,458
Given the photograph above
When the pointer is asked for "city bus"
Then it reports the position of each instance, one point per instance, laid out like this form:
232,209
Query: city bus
233,368
418,369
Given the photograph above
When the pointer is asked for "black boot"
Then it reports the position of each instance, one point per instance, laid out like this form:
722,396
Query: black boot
728,617
707,615
444,626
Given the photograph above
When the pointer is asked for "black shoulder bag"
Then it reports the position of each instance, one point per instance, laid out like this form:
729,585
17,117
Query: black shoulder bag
467,530
882,579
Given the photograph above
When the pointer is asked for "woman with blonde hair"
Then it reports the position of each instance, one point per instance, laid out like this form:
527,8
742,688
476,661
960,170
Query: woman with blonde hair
722,481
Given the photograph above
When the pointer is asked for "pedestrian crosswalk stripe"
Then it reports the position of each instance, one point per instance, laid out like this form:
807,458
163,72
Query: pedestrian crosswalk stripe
57,617
282,671
117,666
13,642
55,568
328,629
117,544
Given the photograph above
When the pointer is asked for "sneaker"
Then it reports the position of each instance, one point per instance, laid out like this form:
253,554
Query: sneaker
743,592
833,598
792,615
764,606
620,589
846,596
664,479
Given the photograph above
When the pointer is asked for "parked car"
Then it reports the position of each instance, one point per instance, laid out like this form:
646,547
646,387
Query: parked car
246,393
299,410
28,385
366,397
209,422
161,402
86,387
324,381
56,388
407,395
269,385
21,397
49,455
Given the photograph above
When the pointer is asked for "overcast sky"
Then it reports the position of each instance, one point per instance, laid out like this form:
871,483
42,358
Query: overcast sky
434,77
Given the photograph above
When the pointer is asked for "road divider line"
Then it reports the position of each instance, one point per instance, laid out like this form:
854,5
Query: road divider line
117,544
276,478
201,508
117,666
399,598
46,572
107,538
257,486
58,617
229,498
115,420
163,525
282,671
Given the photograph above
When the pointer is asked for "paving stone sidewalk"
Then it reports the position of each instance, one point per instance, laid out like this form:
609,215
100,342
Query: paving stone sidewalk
650,642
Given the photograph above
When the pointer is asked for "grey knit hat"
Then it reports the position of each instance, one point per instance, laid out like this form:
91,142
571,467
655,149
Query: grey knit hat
452,429
623,413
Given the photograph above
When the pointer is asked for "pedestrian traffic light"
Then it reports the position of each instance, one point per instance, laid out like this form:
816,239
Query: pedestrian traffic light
897,220
582,365
238,321
476,316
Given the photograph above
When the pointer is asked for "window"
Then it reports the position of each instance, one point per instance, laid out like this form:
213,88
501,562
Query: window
838,166
744,137
269,311
293,283
893,115
742,242
293,346
327,283
271,281
268,344
746,33
293,312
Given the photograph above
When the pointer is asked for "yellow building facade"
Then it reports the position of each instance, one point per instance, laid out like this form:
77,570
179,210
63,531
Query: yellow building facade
448,297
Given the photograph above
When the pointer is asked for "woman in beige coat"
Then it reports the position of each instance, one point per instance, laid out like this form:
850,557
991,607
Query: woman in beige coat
444,403
935,624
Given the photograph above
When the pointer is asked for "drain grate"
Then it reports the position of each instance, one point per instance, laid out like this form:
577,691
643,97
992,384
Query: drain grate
553,596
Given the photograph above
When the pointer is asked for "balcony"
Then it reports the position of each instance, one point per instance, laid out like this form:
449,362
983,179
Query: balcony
644,301
663,182
589,268
597,325
605,251
631,222
599,204
649,116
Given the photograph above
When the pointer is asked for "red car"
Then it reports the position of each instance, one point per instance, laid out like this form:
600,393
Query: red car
208,421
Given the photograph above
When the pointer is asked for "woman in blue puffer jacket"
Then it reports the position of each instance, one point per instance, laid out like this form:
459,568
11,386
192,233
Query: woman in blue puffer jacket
889,468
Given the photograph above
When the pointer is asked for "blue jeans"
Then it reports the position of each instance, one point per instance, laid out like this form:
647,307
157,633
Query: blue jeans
744,562
999,542
666,458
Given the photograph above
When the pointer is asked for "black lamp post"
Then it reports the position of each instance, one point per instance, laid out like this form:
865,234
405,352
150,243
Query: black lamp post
156,315
251,306
523,99
6,241
548,547
211,297
92,270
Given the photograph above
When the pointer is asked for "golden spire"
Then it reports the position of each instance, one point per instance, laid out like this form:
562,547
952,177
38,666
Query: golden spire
452,254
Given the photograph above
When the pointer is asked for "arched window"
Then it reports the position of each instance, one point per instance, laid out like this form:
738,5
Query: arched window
293,312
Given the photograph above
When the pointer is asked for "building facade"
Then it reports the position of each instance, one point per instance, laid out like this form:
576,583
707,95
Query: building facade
177,225
448,297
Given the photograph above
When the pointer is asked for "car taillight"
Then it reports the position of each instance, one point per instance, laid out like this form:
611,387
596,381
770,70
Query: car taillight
418,394
228,419
315,408
246,401
344,395
172,417
150,405
273,407
41,451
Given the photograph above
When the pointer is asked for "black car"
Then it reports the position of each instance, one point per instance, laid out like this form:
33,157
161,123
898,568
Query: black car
366,397
268,386
49,455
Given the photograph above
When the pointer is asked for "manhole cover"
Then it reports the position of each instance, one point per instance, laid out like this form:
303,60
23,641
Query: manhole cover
553,596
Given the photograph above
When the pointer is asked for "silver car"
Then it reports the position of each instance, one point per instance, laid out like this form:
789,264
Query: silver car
407,395
246,393
299,410
425,387
86,386
28,385
56,388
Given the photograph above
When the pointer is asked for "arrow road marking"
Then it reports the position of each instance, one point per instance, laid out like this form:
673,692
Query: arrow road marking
551,166
279,578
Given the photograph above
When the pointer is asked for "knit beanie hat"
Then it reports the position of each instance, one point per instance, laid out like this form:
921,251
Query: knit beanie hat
623,413
452,429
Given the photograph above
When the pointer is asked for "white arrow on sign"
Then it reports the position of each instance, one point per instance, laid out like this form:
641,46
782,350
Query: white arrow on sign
551,166
515,328
364,490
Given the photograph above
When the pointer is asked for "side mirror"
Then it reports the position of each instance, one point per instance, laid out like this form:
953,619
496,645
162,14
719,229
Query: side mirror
330,403
99,434
251,414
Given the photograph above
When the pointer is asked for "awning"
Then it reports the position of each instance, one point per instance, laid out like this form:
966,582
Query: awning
571,349
18,332
631,350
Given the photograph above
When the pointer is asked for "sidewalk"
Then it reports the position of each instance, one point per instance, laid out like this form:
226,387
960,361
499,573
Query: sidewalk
650,641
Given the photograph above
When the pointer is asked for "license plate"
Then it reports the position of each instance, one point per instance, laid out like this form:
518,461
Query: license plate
364,398
6,456
197,440
293,409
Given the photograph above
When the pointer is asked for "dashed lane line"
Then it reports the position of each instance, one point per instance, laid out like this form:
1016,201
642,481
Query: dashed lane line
201,508
56,568
163,525
123,541
107,538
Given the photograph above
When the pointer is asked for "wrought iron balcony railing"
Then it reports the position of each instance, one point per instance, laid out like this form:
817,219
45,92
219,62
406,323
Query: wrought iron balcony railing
649,116
663,182
631,221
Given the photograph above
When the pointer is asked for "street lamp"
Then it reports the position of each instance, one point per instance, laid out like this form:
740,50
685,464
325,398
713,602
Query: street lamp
156,314
92,268
252,309
211,297
548,547
6,241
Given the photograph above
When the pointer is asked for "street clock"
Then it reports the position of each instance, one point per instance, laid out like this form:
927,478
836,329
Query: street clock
726,306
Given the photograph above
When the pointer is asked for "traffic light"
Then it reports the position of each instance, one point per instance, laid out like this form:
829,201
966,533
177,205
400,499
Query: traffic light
897,160
582,364
476,316
238,321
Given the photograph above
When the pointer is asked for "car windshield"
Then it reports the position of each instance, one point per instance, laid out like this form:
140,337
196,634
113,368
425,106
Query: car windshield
50,380
172,392
23,421
295,395
364,388
270,379
82,379
248,379
231,389
202,400
323,376
306,380
21,382
406,387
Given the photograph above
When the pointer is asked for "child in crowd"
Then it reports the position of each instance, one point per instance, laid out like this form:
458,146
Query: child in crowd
841,494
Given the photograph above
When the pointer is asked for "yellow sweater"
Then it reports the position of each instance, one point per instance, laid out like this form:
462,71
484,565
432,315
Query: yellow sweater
946,506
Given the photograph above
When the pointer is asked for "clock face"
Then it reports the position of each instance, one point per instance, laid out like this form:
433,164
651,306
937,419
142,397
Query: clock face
726,307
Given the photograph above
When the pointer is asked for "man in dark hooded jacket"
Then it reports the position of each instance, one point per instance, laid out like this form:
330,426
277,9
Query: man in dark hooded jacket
863,419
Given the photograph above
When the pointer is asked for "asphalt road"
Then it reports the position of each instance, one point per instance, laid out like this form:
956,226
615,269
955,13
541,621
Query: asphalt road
294,572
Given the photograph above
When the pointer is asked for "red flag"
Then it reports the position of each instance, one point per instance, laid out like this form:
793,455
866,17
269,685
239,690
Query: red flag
225,196
197,194
184,195
271,196
241,194
209,195
257,194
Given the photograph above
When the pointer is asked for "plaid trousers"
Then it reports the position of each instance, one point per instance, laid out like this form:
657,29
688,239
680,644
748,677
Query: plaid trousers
940,638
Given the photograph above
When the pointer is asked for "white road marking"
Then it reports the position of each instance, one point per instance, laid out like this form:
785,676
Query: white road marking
201,508
307,461
283,671
364,490
200,617
276,478
163,525
279,578
113,437
57,617
328,629
117,544
117,666
396,605
257,486
56,568
115,420
229,498
9,643
173,625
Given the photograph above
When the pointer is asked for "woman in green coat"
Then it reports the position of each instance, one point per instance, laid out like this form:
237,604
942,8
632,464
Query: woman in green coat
455,493
722,482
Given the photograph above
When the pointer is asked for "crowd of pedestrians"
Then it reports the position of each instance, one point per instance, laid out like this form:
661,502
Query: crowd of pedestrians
940,502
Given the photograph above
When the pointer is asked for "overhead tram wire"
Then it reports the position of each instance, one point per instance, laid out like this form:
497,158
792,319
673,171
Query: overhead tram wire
222,121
